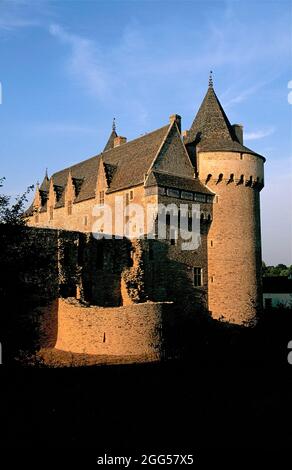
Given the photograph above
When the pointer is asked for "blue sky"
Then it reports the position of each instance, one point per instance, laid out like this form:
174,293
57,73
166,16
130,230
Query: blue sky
68,67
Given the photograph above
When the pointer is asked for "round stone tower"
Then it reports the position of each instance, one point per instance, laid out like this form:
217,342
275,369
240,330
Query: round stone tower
235,175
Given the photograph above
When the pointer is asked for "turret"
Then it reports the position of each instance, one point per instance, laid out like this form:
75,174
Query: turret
236,175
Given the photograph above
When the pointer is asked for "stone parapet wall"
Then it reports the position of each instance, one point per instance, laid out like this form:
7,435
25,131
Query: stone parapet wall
133,330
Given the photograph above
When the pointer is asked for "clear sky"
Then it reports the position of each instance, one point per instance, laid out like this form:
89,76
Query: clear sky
68,67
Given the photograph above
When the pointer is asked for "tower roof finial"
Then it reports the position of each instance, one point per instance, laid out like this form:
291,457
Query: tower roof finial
114,124
46,175
211,79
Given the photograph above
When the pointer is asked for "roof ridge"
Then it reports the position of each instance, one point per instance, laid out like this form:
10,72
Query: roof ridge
105,151
136,138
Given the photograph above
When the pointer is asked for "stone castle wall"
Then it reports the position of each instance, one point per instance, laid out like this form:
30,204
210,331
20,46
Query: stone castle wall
134,330
234,240
95,296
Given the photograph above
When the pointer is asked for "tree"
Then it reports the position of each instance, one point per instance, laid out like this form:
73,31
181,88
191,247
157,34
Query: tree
279,270
13,214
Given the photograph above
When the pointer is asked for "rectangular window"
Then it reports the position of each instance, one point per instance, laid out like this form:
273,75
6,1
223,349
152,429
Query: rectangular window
127,198
173,192
69,207
131,195
101,197
199,197
187,195
198,277
51,212
85,220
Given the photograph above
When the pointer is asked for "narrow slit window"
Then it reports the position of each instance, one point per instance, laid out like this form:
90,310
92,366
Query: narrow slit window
198,277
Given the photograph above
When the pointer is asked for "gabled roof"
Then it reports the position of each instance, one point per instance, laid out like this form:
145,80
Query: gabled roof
125,166
133,159
211,129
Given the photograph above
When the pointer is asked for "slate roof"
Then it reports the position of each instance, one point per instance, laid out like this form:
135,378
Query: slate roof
211,129
133,159
124,165
177,182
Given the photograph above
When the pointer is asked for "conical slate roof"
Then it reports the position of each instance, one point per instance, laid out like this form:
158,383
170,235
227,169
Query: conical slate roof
211,128
211,122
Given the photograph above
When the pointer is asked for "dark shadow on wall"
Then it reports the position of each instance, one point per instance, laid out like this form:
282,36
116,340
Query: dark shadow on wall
101,263
40,265
28,280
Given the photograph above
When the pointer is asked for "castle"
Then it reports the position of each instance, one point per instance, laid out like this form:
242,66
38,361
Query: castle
209,166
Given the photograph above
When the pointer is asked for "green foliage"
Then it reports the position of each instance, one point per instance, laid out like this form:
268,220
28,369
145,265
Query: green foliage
279,270
13,213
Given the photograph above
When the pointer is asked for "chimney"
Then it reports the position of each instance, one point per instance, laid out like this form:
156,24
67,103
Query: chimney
119,140
238,131
175,118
